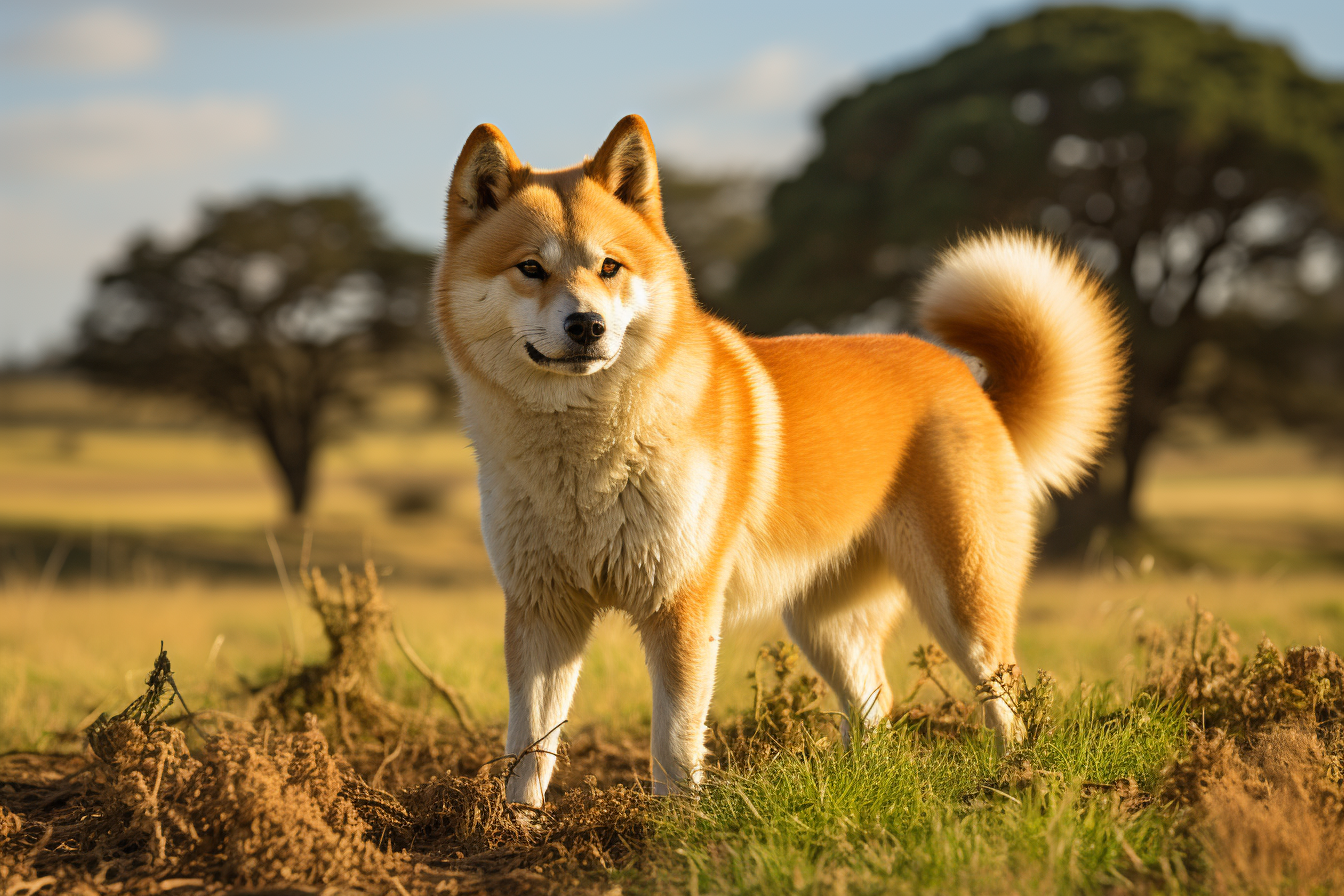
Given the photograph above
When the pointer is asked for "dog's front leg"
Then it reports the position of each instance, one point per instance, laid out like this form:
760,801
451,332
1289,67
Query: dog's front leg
681,644
543,650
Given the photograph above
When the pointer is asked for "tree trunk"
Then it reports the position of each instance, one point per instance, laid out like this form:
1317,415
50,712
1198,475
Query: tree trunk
1101,505
1159,359
297,475
290,438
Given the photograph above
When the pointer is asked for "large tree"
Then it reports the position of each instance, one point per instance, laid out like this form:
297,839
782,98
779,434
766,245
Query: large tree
1201,172
716,222
263,315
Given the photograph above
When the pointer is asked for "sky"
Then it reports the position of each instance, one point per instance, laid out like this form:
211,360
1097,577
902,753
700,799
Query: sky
123,117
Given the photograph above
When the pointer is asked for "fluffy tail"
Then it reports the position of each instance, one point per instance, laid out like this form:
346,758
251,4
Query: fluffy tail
1050,340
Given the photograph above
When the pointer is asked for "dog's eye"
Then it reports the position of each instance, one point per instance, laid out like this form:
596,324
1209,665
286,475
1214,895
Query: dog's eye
532,270
610,266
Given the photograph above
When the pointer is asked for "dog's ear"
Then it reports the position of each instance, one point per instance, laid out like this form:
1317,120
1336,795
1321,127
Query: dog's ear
628,167
486,173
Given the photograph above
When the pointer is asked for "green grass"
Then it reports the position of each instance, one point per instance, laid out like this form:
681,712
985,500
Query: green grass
897,813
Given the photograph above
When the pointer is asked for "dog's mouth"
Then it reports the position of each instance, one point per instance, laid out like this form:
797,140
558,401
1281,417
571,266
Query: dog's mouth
579,359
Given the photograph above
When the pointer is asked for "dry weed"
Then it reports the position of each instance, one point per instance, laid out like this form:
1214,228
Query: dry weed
949,717
255,808
786,714
1200,666
386,744
1031,704
468,820
1261,783
269,803
1268,814
356,620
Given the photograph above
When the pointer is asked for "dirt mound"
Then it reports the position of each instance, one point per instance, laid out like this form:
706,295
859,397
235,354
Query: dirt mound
270,803
468,821
255,808
1268,812
1261,784
265,809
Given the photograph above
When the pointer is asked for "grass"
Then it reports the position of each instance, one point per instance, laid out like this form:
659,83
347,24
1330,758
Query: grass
70,653
902,814
67,653
164,523
143,491
1115,789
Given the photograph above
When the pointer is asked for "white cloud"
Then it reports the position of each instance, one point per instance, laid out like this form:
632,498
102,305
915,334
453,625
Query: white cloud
100,40
771,79
311,11
709,147
774,79
124,137
756,115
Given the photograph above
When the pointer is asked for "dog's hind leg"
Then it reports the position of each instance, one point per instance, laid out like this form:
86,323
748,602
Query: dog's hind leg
965,578
543,650
841,625
961,535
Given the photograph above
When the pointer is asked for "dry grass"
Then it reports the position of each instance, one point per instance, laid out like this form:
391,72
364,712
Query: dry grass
1263,778
320,780
67,655
216,476
153,511
1268,812
159,486
76,651
266,801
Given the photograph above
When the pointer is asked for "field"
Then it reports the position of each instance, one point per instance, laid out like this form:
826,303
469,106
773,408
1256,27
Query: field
125,524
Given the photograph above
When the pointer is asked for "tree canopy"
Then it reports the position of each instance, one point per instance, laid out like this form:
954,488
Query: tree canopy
1200,171
262,314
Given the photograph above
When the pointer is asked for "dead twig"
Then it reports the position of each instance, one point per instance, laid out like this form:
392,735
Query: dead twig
296,632
455,701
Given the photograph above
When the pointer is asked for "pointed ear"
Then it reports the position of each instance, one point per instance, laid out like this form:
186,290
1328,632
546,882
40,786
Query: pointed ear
628,167
486,173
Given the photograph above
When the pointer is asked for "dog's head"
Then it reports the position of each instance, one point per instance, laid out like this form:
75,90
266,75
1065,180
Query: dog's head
549,278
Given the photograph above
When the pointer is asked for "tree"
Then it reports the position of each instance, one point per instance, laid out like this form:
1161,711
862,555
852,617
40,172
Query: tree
1201,172
263,315
716,222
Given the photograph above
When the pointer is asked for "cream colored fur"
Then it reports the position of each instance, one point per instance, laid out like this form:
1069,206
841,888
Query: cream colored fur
1054,373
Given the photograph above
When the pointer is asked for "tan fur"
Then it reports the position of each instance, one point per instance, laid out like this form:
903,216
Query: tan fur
684,474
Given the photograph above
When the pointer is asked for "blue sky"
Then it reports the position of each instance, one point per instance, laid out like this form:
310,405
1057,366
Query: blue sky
123,116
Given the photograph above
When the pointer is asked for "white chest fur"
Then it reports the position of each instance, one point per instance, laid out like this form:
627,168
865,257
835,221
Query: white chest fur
599,503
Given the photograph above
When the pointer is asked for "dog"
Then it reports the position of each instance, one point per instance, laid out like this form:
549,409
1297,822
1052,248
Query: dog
637,453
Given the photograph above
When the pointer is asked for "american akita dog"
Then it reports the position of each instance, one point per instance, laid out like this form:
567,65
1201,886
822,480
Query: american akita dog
638,454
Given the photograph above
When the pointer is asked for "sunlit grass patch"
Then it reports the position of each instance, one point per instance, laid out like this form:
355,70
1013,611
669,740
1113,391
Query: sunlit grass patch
899,812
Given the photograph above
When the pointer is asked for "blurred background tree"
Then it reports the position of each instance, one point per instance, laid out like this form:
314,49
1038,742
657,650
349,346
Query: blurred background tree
716,222
266,314
1200,172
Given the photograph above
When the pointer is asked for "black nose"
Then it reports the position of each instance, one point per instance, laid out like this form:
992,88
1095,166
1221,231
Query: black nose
585,327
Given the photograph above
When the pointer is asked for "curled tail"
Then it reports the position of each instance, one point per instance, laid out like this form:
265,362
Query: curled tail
1050,340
